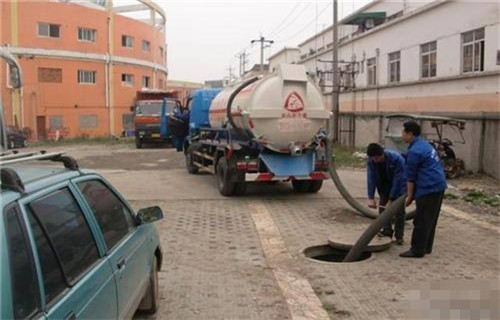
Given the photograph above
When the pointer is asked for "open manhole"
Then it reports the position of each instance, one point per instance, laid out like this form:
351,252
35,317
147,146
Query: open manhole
326,253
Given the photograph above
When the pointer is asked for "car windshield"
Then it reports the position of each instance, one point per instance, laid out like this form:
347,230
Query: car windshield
154,109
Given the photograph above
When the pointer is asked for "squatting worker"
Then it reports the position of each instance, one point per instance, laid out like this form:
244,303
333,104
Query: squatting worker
386,174
426,184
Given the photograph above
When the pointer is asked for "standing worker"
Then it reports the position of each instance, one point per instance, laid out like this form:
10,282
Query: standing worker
426,184
179,124
386,174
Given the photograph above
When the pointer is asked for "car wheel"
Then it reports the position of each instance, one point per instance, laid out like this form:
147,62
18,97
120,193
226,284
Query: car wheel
25,143
12,144
150,301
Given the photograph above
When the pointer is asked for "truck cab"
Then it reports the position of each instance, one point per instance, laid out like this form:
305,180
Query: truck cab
147,120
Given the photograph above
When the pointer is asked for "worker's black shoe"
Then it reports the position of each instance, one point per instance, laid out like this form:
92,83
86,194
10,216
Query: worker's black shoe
385,233
410,254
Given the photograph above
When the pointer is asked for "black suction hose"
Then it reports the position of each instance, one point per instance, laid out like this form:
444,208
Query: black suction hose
383,219
233,95
360,208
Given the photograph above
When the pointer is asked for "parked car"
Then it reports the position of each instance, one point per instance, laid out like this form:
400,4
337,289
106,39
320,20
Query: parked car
72,247
16,138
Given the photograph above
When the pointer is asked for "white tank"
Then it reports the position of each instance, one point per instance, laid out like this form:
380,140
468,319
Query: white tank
284,110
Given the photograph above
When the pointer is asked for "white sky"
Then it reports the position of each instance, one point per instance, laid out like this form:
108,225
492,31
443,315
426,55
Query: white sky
203,37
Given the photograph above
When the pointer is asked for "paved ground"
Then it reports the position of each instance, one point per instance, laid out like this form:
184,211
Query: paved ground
241,258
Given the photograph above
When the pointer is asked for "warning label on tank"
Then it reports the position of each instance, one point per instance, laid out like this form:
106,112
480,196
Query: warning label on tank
294,102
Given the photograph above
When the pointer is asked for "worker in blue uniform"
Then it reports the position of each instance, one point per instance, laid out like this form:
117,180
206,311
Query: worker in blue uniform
386,175
426,184
180,127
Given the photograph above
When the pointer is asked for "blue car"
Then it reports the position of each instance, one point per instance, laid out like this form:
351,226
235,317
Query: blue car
71,246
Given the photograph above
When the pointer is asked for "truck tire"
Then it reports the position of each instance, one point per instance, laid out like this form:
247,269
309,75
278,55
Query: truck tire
240,188
302,186
150,302
223,174
138,143
315,186
190,166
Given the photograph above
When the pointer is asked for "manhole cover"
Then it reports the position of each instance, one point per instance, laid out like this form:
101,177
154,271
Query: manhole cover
326,253
346,241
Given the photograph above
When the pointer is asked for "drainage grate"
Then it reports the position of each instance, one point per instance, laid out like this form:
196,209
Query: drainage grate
326,253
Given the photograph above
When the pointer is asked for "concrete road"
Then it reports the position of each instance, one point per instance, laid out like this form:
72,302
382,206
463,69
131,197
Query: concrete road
242,257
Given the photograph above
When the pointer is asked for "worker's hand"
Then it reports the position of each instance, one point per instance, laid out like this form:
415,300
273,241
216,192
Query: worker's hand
409,200
372,203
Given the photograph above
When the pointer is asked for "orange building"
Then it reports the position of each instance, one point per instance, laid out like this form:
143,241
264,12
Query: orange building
82,63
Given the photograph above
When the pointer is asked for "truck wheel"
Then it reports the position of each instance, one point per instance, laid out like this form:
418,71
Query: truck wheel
150,301
315,186
226,186
190,166
301,185
138,143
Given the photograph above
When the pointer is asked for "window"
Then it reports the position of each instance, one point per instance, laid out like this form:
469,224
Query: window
371,66
127,79
146,45
48,30
86,77
50,75
23,279
87,35
127,41
55,122
88,121
160,84
146,82
394,67
161,51
114,219
63,235
428,52
473,51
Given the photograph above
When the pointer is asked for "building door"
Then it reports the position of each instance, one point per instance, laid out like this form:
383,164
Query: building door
41,129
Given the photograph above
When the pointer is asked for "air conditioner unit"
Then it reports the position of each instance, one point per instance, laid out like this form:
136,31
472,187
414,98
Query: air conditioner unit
369,23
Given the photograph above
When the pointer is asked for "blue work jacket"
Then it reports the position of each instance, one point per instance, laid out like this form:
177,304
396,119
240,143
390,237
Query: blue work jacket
424,168
395,170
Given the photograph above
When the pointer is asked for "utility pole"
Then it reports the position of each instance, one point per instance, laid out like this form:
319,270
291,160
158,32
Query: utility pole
334,125
263,42
243,61
231,75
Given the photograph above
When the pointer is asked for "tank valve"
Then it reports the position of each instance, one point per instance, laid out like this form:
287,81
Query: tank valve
295,151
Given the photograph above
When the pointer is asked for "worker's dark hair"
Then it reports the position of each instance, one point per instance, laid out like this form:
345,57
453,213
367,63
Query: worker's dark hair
413,127
374,149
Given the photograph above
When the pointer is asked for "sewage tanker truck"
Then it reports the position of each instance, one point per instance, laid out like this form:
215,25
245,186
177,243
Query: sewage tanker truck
263,129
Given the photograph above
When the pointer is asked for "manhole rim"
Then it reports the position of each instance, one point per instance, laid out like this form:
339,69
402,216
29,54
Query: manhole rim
304,256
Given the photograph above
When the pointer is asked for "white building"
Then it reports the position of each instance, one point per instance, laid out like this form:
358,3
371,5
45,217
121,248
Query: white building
435,57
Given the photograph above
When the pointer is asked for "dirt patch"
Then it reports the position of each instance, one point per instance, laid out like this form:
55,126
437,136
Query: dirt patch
476,193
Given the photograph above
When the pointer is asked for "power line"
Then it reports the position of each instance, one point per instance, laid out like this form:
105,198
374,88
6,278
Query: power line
286,18
307,25
293,20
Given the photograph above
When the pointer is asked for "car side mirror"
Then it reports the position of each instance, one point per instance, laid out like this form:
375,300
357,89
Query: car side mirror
150,214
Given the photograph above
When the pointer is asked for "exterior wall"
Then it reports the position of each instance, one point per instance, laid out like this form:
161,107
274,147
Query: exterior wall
472,96
286,55
78,104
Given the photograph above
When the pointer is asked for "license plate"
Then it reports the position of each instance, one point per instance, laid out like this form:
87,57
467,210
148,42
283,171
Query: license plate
155,135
